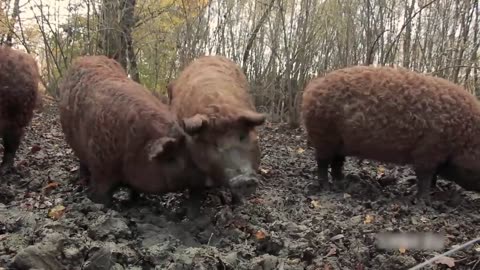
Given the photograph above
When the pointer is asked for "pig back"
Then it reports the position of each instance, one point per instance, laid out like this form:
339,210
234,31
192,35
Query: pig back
19,78
105,116
210,80
388,113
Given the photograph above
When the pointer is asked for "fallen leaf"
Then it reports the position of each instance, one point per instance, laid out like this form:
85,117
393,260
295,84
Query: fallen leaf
293,261
368,219
300,150
260,235
424,219
56,212
346,195
50,186
35,148
448,261
264,171
327,267
477,249
257,200
3,236
331,252
380,172
315,204
402,250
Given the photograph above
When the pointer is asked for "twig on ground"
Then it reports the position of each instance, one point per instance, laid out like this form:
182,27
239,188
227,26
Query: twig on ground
430,261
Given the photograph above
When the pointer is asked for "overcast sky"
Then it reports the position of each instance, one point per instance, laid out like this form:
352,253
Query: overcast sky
55,6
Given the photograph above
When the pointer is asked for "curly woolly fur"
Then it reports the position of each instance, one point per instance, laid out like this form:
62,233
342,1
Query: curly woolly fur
397,116
216,87
120,132
19,78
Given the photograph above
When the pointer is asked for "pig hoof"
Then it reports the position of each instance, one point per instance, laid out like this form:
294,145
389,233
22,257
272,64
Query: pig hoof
134,196
193,212
6,169
422,202
83,182
325,185
100,198
237,199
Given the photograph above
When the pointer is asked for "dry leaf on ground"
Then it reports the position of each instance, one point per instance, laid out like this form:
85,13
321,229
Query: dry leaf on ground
56,212
50,186
260,235
448,261
368,219
315,204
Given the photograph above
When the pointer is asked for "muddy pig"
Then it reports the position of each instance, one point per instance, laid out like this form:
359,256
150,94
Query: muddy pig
19,78
396,116
214,90
121,133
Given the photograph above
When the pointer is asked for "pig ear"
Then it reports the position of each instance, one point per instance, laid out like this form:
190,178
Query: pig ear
251,118
161,146
195,124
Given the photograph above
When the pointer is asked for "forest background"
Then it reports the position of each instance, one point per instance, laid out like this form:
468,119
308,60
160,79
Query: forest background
280,44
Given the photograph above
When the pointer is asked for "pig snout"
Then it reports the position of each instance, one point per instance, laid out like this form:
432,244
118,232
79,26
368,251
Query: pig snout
243,185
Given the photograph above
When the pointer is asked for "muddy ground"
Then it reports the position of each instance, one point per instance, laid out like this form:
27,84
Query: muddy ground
289,224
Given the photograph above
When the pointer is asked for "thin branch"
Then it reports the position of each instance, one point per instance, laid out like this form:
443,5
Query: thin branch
397,37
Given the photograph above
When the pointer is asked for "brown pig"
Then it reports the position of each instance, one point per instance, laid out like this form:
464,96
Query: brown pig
121,133
19,78
396,116
214,90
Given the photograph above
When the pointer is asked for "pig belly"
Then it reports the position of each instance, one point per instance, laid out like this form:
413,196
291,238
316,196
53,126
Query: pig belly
386,146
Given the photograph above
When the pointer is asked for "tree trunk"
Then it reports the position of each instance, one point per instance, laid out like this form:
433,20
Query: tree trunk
11,25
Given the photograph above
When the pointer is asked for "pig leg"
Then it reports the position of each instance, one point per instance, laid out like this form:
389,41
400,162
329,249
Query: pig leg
11,142
428,159
194,202
83,173
322,167
434,181
424,181
101,189
237,199
337,167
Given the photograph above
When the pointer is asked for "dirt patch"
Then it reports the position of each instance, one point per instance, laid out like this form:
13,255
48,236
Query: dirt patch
288,224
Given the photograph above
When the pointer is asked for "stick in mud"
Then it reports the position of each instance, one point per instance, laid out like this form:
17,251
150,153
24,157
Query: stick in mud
445,254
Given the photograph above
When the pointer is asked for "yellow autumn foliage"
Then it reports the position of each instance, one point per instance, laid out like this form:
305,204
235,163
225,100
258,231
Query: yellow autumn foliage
3,20
155,33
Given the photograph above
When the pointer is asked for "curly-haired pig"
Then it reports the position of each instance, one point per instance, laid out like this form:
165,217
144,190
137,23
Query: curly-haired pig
396,116
19,78
214,90
121,133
